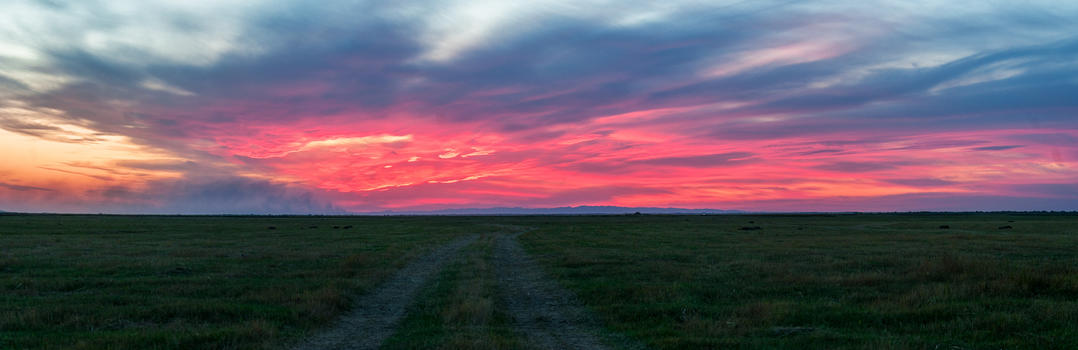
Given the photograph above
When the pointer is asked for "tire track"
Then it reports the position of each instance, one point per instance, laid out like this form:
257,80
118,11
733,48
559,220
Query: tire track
548,315
376,314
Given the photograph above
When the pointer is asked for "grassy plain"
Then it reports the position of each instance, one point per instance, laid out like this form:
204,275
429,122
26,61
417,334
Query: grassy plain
824,281
131,282
859,281
460,309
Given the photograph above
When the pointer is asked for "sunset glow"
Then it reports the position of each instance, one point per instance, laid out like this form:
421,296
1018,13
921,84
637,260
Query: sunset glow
276,107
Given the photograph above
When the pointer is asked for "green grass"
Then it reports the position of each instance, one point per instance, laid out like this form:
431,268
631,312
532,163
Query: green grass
889,281
826,282
460,310
122,282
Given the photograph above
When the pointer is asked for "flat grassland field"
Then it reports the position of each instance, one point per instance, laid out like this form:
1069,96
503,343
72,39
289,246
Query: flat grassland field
856,281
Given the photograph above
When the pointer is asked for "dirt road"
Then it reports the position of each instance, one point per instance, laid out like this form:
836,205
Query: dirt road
548,315
376,314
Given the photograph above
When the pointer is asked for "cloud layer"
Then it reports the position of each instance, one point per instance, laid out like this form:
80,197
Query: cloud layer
272,107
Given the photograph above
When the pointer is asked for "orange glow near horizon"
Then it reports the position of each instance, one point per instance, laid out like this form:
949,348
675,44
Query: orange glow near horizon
76,173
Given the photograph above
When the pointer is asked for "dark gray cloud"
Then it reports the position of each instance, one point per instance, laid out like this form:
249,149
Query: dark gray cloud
403,198
80,173
856,167
44,131
216,195
922,182
925,201
194,195
705,161
820,151
996,148
1053,190
172,165
24,188
623,166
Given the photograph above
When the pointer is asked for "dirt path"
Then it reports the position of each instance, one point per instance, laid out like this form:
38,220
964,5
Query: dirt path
548,315
376,314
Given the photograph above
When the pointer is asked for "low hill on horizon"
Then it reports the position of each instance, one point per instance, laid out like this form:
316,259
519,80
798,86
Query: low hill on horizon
578,210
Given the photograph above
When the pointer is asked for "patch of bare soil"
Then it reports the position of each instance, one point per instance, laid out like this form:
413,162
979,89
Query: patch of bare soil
547,314
376,314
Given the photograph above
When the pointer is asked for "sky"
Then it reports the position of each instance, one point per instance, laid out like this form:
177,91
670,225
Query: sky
273,107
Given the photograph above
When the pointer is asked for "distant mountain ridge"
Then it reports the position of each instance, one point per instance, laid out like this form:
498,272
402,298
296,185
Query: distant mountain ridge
578,210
